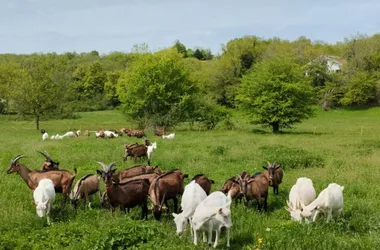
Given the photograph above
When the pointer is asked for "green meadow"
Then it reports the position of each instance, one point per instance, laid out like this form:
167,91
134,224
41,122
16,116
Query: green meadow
341,146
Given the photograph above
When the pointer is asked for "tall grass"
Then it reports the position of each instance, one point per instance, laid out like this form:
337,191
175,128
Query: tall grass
336,146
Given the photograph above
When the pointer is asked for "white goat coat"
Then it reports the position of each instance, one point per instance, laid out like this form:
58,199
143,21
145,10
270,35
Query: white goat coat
170,136
329,201
44,196
192,196
303,191
151,148
45,136
110,134
206,217
70,134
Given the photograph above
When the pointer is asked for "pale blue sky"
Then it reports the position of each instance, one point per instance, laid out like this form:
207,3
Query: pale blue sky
28,26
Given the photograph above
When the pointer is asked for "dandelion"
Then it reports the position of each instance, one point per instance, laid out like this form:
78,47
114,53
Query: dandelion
260,240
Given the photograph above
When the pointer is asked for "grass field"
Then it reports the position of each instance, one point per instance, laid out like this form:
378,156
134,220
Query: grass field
336,146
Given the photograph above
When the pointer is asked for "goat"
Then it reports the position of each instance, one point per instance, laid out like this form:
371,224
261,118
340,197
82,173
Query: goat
159,132
329,200
165,187
255,188
70,134
135,132
192,196
49,164
44,197
45,135
62,179
204,182
135,170
86,133
212,214
150,150
84,188
110,134
169,137
148,176
275,174
99,134
136,151
125,195
304,191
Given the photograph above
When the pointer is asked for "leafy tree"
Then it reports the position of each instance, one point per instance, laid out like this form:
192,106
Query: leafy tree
110,88
198,54
276,93
38,91
180,48
361,90
157,89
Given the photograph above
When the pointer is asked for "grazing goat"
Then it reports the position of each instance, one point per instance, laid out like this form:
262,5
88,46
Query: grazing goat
255,188
159,132
110,134
212,214
84,188
99,134
304,191
169,137
204,182
136,151
136,170
148,176
329,201
166,187
134,132
275,175
62,179
49,164
44,197
150,150
125,195
70,134
192,196
45,134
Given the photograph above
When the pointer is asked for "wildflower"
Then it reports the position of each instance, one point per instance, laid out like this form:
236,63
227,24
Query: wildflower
260,240
268,229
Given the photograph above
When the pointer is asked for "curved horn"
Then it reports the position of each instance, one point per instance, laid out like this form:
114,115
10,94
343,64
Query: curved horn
104,166
269,164
162,202
111,165
46,155
18,157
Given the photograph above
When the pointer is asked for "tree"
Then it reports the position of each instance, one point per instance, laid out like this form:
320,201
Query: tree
360,90
157,89
37,91
276,93
180,48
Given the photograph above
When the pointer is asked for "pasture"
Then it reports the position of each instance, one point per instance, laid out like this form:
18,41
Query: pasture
336,146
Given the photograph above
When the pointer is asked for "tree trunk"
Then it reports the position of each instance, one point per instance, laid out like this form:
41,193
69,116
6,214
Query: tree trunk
275,127
37,122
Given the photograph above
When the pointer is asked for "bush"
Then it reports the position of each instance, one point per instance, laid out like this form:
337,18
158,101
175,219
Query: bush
291,157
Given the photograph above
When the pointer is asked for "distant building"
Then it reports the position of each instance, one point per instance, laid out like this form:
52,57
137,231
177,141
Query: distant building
334,63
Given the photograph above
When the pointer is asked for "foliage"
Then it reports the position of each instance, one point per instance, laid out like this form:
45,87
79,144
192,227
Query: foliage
361,90
157,88
275,93
209,113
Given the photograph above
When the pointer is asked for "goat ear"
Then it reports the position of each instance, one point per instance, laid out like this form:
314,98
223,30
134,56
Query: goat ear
212,181
265,168
114,170
99,172
185,175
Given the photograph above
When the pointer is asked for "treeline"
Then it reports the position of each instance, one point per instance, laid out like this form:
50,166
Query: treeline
179,84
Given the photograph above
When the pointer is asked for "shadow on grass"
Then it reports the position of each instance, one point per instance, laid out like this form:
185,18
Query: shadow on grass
267,132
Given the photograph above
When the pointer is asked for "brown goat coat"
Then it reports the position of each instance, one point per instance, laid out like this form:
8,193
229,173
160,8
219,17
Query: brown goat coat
277,179
136,170
168,185
129,195
204,182
86,186
62,179
147,176
257,188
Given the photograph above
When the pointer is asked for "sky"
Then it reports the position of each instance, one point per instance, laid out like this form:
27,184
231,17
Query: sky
28,26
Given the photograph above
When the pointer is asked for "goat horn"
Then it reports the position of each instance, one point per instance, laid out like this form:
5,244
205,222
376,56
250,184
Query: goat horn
104,166
18,157
163,199
46,155
269,164
111,165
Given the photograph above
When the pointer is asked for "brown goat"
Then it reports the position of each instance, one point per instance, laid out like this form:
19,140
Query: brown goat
62,179
256,188
148,176
166,187
135,132
136,170
159,132
135,151
232,185
275,174
204,182
49,164
84,188
86,133
125,195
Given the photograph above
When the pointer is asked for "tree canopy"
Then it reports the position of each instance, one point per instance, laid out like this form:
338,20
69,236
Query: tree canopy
276,93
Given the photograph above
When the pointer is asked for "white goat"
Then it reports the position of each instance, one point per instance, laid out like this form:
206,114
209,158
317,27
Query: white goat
169,137
151,148
45,135
44,196
329,201
303,191
212,214
191,197
110,134
70,134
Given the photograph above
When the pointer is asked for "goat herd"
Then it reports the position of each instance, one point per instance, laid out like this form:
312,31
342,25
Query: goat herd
205,212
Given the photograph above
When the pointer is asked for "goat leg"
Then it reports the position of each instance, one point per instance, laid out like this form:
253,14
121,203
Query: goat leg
228,236
217,233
